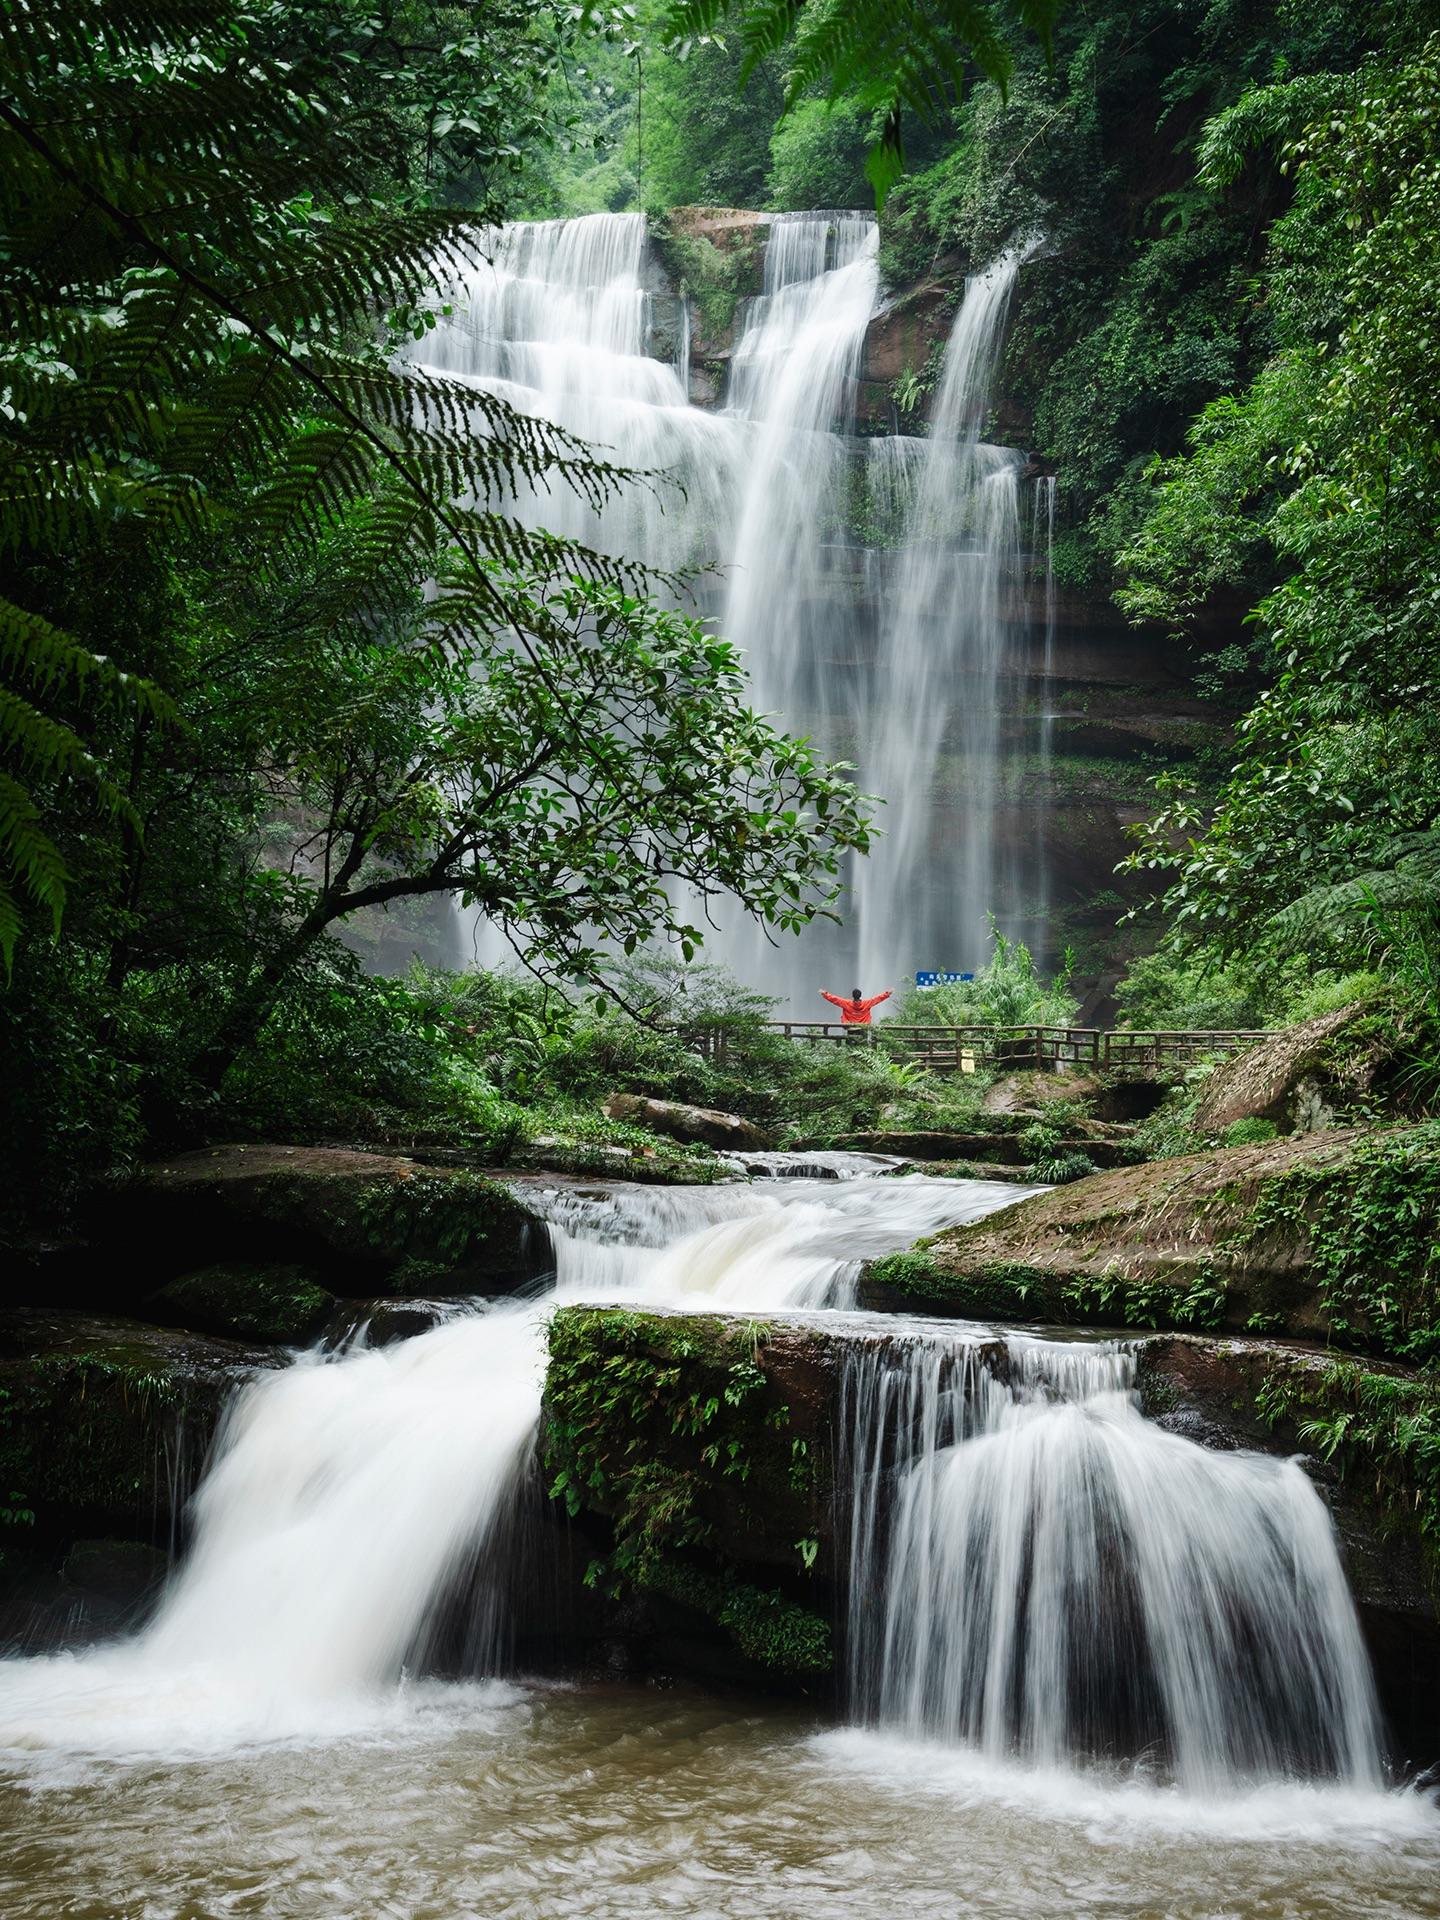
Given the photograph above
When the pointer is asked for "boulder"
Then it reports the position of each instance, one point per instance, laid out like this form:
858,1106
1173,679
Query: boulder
1030,1092
361,1223
1226,1238
241,1301
702,1126
107,1422
1306,1076
693,1453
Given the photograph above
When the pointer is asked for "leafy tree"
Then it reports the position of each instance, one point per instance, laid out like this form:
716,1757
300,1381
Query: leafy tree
1335,793
204,362
890,57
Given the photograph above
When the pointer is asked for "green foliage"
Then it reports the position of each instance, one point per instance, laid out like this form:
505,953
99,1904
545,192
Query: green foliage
1006,992
889,57
1374,1238
1380,1431
666,1428
817,156
1250,1132
226,478
1322,830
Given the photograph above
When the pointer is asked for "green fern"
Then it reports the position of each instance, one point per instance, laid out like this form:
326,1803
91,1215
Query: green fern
194,295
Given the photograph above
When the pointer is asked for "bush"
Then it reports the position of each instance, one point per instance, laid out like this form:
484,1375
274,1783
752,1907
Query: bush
1006,992
1252,1131
817,157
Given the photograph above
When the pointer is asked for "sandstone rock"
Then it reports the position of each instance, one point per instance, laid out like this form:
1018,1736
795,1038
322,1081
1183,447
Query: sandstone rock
1166,1243
354,1218
693,1125
1310,1070
1025,1092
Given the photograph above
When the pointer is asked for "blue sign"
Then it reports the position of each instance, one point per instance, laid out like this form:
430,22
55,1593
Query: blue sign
927,980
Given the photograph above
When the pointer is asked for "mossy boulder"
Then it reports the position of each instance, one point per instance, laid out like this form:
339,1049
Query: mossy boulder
693,1450
1335,1067
1332,1235
281,1306
361,1222
693,1126
105,1424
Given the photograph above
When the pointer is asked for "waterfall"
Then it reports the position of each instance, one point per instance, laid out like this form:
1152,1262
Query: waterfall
941,660
1038,1572
897,666
349,1490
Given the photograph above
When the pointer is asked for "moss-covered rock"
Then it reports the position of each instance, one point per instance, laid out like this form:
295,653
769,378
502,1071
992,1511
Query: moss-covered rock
354,1218
280,1306
1334,1235
105,1424
1338,1066
694,1448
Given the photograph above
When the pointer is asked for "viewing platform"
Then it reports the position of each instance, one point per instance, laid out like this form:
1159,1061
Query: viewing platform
953,1049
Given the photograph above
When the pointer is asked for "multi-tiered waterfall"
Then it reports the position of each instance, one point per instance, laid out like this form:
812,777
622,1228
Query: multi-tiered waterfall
1034,1573
896,660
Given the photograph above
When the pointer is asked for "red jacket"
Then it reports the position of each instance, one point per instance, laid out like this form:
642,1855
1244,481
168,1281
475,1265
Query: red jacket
855,1013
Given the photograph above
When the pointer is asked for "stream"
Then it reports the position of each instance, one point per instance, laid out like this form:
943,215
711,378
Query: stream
1100,1670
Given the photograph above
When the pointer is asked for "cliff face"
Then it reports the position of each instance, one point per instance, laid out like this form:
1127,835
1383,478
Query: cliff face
1090,707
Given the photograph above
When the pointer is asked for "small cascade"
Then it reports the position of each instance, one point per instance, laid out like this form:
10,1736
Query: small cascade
942,657
352,1490
1038,1572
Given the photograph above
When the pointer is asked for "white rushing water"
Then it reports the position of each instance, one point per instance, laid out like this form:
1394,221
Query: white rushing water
347,1489
1037,1571
897,660
946,638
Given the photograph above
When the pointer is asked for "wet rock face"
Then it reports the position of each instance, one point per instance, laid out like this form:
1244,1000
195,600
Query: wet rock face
105,1424
703,1126
241,1301
361,1223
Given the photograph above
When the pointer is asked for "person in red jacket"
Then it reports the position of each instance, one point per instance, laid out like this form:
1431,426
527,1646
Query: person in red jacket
855,1012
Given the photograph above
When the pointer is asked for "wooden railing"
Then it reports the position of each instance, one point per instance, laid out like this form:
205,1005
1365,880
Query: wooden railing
968,1049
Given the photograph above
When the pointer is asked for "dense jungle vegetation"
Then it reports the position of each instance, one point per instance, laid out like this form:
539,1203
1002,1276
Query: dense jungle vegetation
235,714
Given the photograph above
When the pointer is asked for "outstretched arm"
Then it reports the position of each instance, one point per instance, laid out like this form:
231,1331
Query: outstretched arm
875,1000
833,998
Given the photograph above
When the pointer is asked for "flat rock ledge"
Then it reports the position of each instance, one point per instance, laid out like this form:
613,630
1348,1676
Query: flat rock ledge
363,1223
1167,1243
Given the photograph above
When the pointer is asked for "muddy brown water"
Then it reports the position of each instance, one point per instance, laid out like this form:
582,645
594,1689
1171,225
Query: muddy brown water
519,1802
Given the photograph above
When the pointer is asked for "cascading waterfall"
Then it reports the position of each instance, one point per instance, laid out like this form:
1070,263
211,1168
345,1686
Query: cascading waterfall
892,663
348,1490
1038,1572
1034,1571
942,655
793,377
